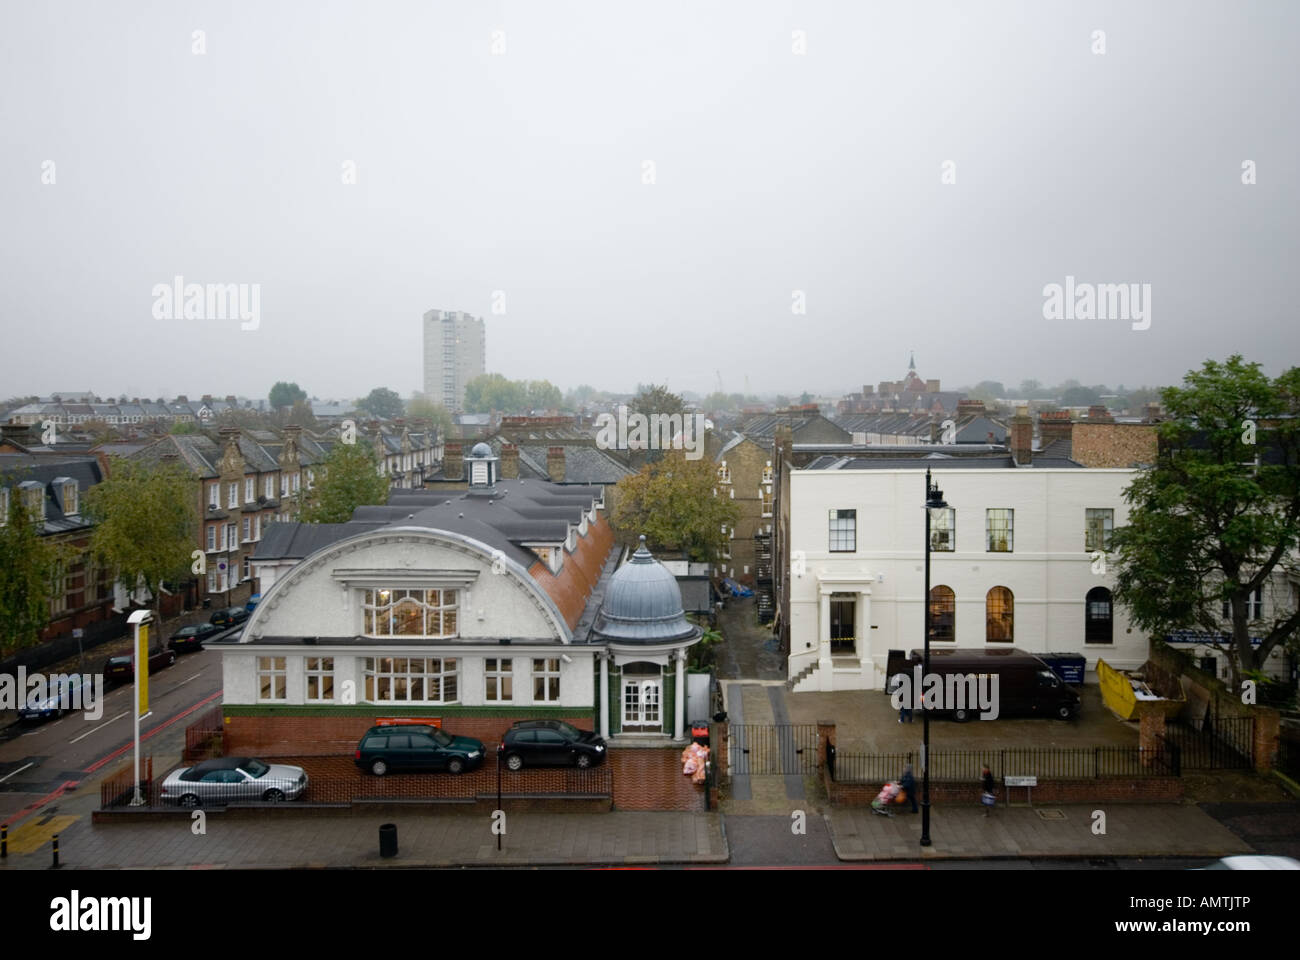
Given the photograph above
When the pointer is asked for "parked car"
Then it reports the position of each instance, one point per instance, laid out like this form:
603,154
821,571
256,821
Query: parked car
191,638
231,779
123,668
69,691
410,747
229,617
541,743
1253,862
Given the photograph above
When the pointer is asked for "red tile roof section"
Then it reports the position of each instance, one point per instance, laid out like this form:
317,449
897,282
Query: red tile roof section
580,573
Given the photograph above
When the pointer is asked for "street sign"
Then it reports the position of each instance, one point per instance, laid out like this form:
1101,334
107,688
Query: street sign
1020,781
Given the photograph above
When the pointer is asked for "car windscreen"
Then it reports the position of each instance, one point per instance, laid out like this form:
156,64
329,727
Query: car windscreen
255,768
442,738
569,732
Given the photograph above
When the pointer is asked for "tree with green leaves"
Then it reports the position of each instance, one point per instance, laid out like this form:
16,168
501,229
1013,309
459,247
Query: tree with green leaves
1218,516
146,524
421,407
26,563
657,398
672,502
383,403
491,392
286,395
348,478
543,395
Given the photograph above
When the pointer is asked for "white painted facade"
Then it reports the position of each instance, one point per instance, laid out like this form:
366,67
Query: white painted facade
322,596
1048,570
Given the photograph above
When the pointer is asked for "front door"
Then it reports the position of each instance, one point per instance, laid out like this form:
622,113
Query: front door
641,704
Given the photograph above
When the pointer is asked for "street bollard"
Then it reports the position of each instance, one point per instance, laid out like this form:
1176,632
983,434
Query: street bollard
56,851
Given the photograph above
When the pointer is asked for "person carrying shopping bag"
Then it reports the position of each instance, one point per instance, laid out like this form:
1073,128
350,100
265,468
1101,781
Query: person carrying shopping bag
987,796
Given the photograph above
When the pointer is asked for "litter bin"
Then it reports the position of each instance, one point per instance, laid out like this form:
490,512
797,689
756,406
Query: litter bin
700,732
207,603
388,840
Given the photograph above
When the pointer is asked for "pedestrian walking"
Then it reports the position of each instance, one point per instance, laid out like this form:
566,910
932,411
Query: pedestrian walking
908,782
987,785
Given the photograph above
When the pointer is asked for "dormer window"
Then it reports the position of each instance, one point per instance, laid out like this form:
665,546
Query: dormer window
71,506
33,495
767,472
724,472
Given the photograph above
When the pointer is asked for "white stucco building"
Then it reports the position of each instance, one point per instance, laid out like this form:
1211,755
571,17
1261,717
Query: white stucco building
1019,558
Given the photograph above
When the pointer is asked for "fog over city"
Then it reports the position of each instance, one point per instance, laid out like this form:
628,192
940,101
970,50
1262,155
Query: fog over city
797,196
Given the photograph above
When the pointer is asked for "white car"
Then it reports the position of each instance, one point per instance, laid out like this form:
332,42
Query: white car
1254,862
234,779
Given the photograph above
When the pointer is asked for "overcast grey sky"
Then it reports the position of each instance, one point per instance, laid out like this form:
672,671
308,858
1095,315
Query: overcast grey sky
523,171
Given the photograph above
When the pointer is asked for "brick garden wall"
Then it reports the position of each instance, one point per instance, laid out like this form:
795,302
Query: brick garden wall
646,779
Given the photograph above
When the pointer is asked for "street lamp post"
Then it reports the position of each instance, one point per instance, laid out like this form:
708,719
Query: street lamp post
933,501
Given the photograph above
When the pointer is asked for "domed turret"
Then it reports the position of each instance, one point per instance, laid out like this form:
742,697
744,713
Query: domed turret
643,604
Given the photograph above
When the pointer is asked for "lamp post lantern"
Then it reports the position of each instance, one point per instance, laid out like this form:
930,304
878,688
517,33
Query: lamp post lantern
933,501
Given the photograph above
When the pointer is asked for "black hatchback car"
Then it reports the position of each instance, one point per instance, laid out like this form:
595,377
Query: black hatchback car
416,747
543,743
229,617
191,638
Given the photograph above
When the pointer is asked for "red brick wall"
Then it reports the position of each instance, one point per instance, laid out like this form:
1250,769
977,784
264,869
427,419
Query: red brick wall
322,736
646,779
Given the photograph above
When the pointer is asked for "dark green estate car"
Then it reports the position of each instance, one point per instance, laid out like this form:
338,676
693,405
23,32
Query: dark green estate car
406,747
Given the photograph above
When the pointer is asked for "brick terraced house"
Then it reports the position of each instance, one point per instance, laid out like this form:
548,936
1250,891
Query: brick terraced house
478,607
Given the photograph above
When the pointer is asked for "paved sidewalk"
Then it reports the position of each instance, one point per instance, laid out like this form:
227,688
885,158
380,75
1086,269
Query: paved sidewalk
1132,830
424,840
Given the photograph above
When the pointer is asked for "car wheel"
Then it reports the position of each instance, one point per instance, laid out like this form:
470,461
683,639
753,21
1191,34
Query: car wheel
583,761
961,716
514,762
1063,712
456,765
273,796
379,768
190,800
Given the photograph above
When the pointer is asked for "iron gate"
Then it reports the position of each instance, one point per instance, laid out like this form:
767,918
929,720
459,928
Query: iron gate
1222,743
760,749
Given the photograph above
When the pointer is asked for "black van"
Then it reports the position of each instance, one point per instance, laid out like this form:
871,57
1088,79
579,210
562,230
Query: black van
1026,685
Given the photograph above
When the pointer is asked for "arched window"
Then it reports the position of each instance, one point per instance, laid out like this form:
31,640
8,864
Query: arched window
1098,625
943,614
1000,616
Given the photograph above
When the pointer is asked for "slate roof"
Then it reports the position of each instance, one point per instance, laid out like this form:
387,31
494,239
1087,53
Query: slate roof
16,468
523,511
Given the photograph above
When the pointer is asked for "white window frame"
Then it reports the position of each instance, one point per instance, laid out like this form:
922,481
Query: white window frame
549,671
373,673
214,496
71,503
246,529
377,605
938,543
840,516
267,669
232,495
1010,539
322,671
268,487
1107,518
212,537
502,671
250,489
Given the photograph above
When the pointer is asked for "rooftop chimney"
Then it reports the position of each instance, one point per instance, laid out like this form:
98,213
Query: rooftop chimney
453,462
1022,437
555,464
1055,425
1153,412
1100,413
509,461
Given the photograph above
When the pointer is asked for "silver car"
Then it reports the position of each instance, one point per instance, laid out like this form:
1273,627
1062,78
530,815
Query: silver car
232,780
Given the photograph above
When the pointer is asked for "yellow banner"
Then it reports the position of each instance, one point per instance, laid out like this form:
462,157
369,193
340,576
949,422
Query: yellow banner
142,670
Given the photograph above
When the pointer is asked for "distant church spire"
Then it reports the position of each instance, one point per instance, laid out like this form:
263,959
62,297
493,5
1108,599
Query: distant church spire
911,363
